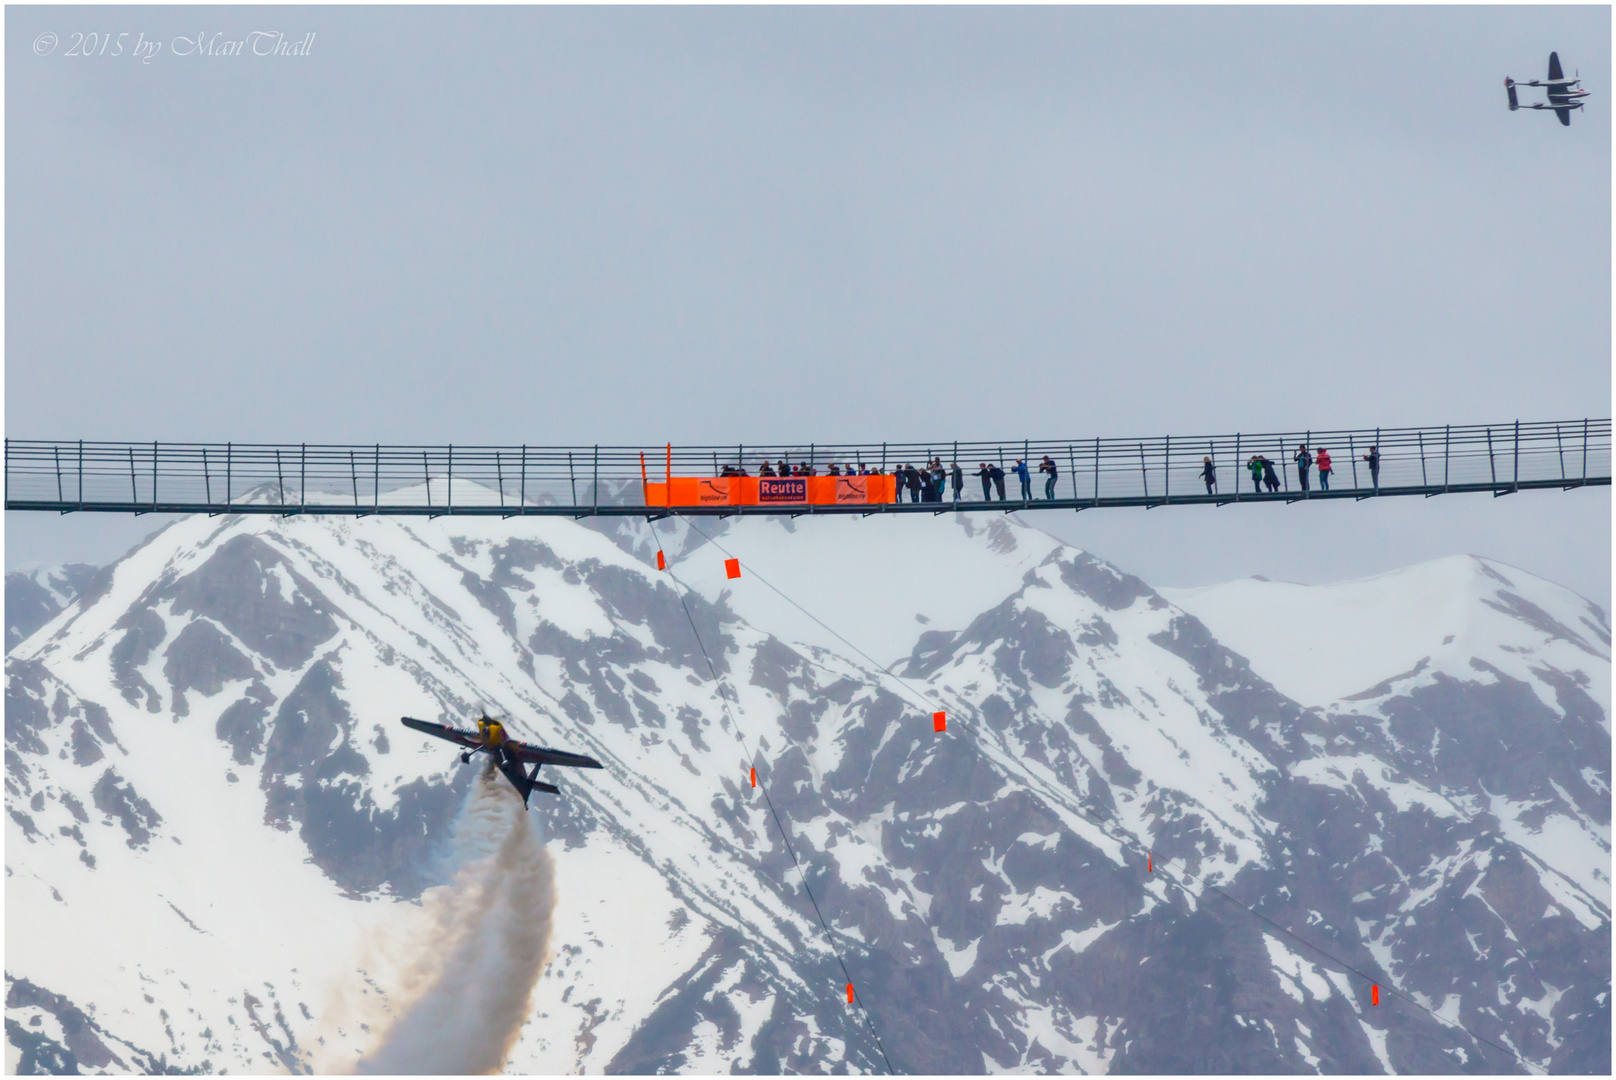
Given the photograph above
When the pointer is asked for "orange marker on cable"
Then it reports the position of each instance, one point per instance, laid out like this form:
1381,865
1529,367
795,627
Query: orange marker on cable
661,560
850,993
939,721
732,568
754,778
1374,994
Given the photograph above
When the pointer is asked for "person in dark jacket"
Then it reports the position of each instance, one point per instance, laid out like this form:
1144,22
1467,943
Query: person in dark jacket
987,481
1023,474
1270,478
911,477
1209,473
956,474
1323,461
1048,466
938,479
1254,467
1373,457
998,479
1304,461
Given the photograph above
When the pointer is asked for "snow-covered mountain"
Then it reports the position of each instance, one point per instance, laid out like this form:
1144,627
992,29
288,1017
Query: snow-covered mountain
219,836
34,596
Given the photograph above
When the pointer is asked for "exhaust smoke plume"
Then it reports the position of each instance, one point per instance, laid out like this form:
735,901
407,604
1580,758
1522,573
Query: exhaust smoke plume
472,977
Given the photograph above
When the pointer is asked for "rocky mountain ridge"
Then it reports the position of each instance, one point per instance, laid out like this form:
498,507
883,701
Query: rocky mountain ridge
217,828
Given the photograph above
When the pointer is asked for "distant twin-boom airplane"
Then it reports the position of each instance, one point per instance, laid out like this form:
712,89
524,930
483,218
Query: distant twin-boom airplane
1564,94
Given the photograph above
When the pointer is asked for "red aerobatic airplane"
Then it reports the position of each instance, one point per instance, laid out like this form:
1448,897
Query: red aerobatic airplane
510,754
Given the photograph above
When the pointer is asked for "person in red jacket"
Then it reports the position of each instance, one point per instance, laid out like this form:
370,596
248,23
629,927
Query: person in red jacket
1322,460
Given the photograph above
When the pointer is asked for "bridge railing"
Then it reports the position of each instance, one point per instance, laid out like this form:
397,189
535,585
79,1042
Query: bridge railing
217,477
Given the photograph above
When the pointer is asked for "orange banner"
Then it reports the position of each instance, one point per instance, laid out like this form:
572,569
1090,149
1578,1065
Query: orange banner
770,491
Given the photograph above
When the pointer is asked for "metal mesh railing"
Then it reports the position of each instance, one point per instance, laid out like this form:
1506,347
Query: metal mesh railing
580,480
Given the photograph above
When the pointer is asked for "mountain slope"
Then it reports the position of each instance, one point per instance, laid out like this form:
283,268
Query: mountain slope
1485,683
33,597
218,830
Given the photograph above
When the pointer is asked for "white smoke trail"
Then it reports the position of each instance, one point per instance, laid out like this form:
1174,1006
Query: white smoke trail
472,979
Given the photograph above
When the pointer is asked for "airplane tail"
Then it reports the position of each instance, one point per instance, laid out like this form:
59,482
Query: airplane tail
1514,102
525,785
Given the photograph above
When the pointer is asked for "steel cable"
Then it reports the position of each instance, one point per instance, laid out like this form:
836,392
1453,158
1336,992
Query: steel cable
775,813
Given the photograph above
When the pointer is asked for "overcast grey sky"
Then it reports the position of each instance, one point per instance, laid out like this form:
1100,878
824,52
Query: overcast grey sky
747,225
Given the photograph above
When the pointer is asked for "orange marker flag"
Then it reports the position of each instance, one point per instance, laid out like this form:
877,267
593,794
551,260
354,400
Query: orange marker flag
850,993
1150,862
1374,994
661,560
732,567
939,721
754,778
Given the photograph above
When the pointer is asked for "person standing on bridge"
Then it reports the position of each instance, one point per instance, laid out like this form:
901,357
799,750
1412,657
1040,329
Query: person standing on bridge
1209,473
1023,474
1255,468
1324,469
1373,457
957,475
998,479
911,477
1269,477
1048,466
1304,461
987,481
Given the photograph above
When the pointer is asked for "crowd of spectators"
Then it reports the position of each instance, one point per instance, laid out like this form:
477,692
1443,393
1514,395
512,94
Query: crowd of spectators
929,482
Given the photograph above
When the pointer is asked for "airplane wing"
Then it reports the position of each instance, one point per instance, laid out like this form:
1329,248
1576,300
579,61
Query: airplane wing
527,753
1565,117
1554,67
442,731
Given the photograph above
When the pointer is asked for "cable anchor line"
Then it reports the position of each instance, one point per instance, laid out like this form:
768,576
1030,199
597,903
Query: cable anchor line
774,812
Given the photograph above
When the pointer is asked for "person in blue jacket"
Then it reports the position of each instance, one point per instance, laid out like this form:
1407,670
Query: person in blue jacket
1023,474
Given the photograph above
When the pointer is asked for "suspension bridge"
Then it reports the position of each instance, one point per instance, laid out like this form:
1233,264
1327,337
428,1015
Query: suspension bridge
656,481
